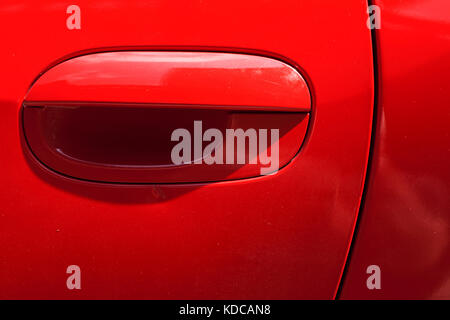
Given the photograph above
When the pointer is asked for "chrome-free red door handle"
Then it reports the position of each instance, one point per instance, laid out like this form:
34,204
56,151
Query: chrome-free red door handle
110,116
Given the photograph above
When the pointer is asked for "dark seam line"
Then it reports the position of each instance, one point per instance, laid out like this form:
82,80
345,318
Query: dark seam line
376,102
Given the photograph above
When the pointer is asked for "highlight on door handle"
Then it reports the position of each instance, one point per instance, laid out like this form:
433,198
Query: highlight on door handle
167,117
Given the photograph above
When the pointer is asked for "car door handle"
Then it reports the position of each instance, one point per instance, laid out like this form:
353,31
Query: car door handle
110,117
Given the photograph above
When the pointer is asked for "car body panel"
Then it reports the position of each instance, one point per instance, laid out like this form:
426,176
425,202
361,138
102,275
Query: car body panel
404,226
279,236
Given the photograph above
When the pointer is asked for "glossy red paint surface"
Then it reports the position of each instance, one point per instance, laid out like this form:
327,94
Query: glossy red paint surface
405,223
191,79
279,236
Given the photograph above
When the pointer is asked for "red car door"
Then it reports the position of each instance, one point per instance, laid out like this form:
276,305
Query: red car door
238,236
